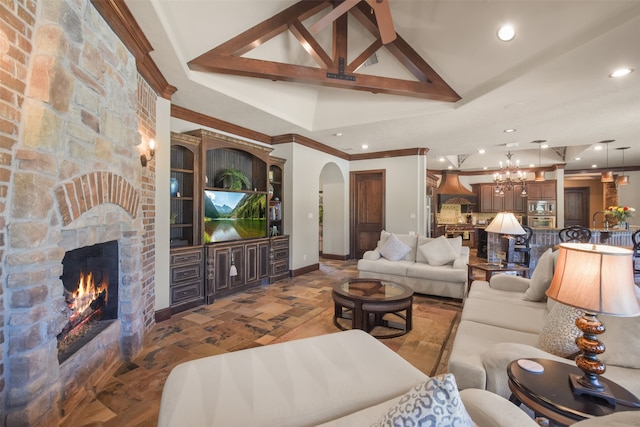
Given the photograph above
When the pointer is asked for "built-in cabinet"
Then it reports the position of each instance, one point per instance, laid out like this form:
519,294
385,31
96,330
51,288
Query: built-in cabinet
541,190
236,266
211,258
489,201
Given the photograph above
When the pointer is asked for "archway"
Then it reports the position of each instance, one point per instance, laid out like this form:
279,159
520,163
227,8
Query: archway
333,212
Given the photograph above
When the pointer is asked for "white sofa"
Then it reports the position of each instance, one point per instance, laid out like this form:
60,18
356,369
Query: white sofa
498,326
423,275
341,379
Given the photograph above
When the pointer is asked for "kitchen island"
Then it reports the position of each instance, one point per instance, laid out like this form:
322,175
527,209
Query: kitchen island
545,238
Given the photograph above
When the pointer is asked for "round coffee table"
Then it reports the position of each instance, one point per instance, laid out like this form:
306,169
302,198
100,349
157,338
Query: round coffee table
366,302
549,393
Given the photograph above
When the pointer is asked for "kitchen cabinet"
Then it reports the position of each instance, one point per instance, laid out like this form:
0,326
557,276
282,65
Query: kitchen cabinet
542,190
490,201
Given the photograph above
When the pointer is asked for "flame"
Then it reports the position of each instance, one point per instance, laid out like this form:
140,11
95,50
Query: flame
86,293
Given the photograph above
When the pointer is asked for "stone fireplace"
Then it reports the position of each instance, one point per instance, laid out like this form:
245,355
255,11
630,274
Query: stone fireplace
71,180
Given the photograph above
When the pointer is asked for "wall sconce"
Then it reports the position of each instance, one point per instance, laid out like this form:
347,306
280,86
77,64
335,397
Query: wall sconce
152,152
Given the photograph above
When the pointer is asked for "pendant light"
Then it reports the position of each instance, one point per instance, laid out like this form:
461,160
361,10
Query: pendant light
607,176
539,173
622,179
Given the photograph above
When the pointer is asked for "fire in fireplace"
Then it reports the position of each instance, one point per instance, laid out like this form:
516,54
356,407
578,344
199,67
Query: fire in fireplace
90,279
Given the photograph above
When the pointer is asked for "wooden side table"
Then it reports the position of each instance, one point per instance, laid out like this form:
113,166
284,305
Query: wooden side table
489,269
549,393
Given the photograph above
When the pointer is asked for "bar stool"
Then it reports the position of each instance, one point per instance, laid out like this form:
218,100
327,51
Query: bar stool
523,244
575,233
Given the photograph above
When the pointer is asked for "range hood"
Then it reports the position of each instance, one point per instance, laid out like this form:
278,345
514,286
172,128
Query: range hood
450,184
451,191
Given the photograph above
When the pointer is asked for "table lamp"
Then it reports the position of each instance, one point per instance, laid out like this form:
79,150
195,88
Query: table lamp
595,279
506,223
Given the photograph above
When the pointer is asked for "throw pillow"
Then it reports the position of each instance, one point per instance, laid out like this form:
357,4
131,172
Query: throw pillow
541,277
456,244
621,340
559,332
393,249
435,402
438,251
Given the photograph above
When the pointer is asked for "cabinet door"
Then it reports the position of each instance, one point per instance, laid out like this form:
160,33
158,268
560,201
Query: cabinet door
223,258
519,202
507,201
486,198
548,190
497,201
251,262
263,260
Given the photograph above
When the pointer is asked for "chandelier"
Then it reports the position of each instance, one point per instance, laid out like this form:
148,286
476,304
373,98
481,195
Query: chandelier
509,176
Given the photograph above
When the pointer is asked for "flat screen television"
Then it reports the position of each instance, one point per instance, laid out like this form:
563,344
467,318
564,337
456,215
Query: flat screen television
234,215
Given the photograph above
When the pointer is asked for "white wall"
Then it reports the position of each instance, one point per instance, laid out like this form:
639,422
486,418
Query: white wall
302,183
162,161
628,195
405,191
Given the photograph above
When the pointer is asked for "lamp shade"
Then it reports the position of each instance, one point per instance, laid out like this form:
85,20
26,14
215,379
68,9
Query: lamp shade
505,223
607,176
596,279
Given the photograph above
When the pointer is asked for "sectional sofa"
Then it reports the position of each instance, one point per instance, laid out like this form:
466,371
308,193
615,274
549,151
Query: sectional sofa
431,266
341,379
509,318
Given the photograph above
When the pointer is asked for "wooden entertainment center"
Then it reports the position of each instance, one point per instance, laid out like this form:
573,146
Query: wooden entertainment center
244,245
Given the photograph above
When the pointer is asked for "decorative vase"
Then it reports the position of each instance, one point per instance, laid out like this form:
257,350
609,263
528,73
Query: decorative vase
174,186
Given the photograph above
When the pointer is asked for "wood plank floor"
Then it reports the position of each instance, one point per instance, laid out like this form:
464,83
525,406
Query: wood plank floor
131,396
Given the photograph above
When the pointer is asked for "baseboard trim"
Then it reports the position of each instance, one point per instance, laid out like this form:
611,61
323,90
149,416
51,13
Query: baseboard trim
163,314
305,270
337,257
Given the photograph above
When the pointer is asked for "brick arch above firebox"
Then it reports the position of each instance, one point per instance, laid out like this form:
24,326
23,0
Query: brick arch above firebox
80,194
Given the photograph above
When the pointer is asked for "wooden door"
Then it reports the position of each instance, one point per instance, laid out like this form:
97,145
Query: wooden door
576,206
367,210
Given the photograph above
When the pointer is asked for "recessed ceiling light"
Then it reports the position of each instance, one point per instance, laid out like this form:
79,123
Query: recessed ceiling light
365,146
441,159
508,130
506,33
577,158
337,134
485,168
597,147
594,166
449,167
621,72
481,151
543,146
532,165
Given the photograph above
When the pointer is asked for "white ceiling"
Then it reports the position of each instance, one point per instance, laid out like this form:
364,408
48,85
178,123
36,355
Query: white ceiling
551,82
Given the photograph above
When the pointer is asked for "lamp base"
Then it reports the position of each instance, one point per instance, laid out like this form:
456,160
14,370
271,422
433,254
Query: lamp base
582,386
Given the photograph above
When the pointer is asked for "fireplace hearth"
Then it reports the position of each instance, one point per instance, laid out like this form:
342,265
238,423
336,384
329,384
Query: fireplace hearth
90,279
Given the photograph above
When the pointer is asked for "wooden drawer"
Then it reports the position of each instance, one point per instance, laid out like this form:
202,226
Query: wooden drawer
280,244
280,267
183,273
281,254
186,257
186,292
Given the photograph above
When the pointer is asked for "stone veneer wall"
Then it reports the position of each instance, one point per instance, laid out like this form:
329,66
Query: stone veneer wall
76,117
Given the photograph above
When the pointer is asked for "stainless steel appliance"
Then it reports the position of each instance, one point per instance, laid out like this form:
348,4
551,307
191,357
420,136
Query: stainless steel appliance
541,221
542,207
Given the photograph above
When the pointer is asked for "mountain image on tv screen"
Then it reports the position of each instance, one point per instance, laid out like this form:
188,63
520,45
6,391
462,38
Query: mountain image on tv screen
232,215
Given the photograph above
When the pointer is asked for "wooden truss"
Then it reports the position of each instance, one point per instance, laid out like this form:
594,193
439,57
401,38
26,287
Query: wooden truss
333,70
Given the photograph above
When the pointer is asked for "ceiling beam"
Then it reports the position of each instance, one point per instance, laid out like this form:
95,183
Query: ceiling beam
227,57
